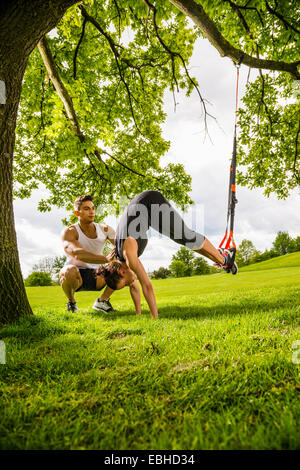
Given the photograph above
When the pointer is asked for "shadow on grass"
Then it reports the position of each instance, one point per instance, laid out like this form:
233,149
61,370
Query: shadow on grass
206,312
35,328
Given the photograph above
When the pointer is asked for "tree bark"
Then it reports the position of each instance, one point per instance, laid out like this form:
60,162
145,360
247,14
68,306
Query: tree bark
22,24
13,300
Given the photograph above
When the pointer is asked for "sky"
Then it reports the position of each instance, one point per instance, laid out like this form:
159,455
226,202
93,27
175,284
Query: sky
207,160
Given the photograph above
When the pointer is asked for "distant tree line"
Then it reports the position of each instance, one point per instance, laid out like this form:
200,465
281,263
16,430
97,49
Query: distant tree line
45,271
282,245
183,264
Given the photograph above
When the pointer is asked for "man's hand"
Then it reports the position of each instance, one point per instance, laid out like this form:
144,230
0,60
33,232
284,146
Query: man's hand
111,255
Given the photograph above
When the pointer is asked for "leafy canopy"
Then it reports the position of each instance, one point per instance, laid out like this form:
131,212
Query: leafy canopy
116,59
186,256
201,266
283,243
269,117
178,268
116,75
264,34
246,253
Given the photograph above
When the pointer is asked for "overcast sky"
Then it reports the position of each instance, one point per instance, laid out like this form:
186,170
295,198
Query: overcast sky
257,218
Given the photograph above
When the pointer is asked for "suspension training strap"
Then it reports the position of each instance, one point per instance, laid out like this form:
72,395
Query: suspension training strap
232,201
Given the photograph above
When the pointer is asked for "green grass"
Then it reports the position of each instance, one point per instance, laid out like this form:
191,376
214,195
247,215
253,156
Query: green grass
286,261
214,372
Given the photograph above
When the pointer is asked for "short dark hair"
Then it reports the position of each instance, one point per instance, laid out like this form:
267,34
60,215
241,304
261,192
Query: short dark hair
111,273
80,199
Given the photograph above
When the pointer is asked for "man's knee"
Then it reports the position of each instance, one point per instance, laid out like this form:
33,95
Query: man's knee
68,273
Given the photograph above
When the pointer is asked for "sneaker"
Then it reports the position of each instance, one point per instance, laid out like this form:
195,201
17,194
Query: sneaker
72,307
103,305
229,264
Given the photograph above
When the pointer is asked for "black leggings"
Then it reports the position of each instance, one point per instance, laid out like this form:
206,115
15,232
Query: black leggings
151,209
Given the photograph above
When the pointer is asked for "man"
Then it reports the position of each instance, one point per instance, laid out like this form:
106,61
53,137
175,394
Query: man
83,244
151,209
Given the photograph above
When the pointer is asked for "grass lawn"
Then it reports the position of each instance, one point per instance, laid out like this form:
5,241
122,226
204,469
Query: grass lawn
287,261
215,371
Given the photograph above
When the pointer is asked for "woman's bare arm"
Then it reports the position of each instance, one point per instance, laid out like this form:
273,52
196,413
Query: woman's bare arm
130,252
136,296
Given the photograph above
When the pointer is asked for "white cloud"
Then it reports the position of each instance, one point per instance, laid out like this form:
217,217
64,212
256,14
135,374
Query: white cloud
34,243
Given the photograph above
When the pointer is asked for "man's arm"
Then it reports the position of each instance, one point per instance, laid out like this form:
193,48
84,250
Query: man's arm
136,296
130,249
74,249
110,234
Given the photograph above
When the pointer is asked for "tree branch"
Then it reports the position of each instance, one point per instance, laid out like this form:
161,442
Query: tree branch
61,90
281,17
296,173
119,16
173,55
67,100
235,8
97,153
117,58
225,49
262,100
246,7
42,125
77,48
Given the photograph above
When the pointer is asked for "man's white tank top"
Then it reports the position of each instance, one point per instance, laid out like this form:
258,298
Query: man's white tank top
95,245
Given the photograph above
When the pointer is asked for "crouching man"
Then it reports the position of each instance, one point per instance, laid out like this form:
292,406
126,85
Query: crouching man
83,244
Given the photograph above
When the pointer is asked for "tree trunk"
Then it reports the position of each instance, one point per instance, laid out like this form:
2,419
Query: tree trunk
13,299
22,24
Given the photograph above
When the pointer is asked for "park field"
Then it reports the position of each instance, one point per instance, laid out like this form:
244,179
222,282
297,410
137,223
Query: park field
290,260
217,370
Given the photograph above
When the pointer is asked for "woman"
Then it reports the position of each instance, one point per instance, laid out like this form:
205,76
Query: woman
151,209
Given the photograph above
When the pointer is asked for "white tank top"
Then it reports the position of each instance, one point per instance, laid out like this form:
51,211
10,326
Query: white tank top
95,245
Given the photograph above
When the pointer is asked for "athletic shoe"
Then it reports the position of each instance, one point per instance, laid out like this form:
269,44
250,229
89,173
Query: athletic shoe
103,305
229,264
72,307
